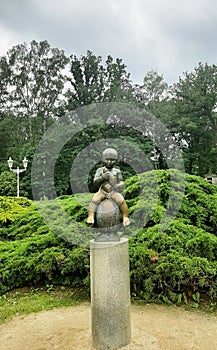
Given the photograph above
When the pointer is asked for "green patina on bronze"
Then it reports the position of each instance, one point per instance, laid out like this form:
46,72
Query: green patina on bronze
108,206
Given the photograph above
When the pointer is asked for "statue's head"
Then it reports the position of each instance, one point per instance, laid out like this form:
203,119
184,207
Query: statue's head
109,157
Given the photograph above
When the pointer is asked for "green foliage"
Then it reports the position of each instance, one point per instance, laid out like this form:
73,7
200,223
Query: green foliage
30,254
39,84
32,81
195,99
93,82
199,204
166,265
150,192
41,259
8,184
176,265
151,91
84,139
11,208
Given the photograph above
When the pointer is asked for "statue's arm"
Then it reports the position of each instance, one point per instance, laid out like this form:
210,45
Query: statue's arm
120,183
100,177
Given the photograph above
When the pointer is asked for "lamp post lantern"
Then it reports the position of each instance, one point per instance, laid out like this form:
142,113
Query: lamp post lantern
18,171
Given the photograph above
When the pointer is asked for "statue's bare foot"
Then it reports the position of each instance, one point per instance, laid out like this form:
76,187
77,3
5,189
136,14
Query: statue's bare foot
126,221
90,220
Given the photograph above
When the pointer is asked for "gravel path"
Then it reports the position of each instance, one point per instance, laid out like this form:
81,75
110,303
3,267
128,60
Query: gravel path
154,327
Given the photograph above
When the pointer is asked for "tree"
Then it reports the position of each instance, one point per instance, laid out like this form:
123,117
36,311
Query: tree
13,138
8,184
152,91
91,82
118,85
86,79
195,99
32,81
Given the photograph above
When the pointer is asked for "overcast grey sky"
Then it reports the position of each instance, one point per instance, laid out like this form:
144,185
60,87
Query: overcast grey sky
169,36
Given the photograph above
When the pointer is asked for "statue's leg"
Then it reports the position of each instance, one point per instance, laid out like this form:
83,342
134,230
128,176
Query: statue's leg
97,198
124,211
91,212
119,200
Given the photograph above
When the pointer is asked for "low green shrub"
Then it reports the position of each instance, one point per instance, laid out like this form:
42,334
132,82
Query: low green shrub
11,208
43,259
164,265
175,265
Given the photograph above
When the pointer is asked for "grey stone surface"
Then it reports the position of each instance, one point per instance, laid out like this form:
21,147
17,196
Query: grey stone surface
110,294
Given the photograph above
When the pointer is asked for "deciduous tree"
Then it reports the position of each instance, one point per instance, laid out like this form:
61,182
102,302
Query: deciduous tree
196,101
32,81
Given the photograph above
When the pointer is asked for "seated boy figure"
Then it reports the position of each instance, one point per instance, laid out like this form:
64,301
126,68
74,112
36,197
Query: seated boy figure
109,180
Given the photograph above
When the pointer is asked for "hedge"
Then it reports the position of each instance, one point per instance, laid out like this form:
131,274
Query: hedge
173,264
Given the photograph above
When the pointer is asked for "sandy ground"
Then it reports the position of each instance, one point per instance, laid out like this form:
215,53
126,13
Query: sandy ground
154,327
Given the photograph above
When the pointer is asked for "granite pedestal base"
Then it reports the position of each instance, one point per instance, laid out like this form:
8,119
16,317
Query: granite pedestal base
110,294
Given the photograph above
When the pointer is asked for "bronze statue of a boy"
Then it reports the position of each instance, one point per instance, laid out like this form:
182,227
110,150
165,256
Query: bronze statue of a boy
109,180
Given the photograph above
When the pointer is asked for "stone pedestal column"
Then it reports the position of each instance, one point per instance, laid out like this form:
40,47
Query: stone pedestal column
110,294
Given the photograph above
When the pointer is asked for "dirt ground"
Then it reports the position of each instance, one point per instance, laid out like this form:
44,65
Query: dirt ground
154,327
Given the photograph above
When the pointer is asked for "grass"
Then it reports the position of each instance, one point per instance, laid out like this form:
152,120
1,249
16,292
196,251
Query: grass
24,301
